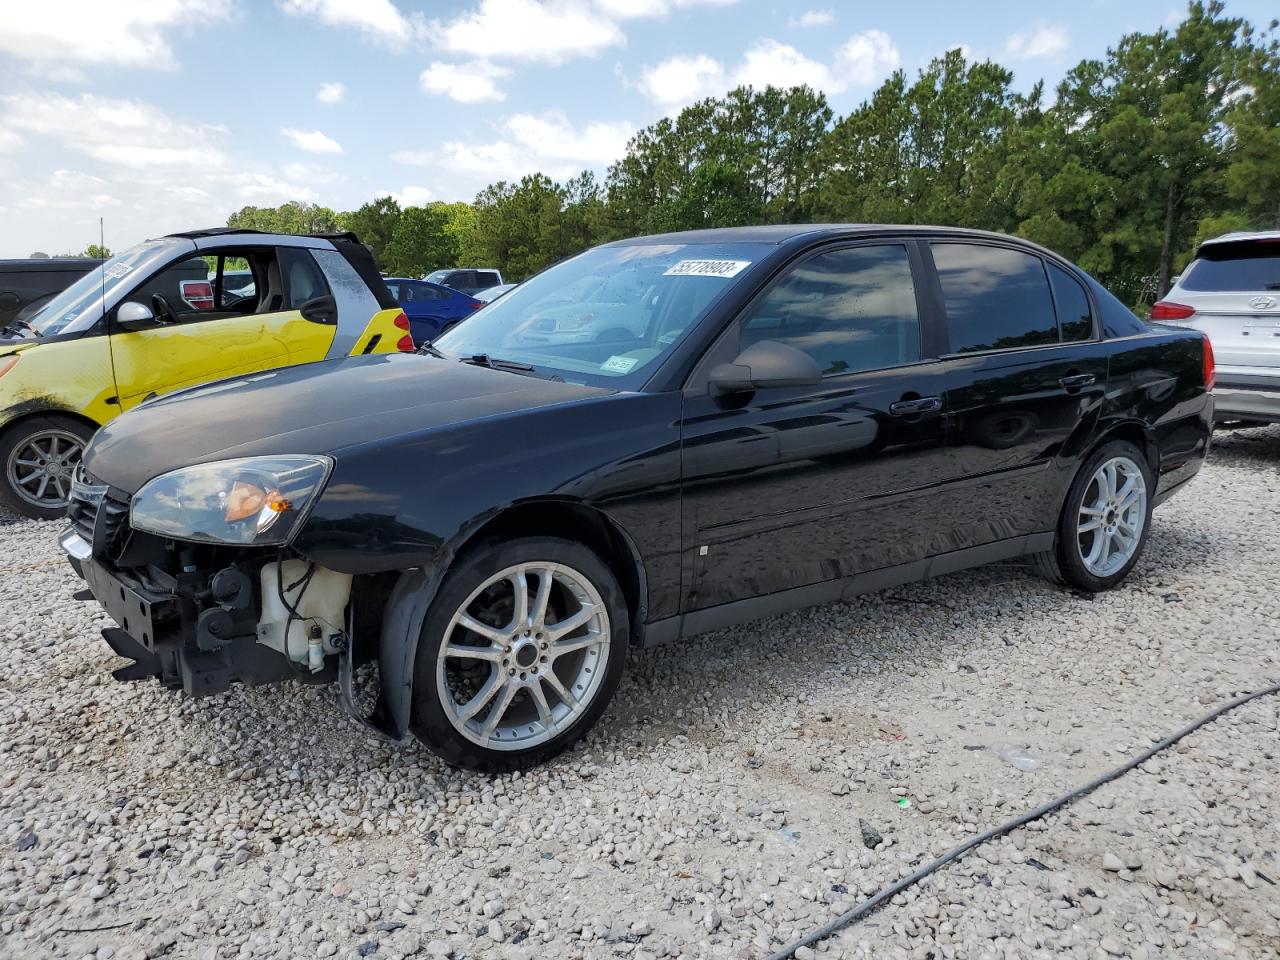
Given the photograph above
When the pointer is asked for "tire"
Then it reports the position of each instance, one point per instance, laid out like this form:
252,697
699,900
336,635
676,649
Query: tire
1077,558
31,441
455,697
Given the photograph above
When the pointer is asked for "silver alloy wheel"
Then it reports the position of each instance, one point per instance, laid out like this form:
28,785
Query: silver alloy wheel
523,656
1112,515
41,465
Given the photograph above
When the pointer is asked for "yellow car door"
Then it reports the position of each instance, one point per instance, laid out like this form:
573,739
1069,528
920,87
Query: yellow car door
210,321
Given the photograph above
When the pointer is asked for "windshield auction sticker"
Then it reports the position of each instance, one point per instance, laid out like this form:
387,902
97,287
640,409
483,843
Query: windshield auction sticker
618,364
117,270
706,268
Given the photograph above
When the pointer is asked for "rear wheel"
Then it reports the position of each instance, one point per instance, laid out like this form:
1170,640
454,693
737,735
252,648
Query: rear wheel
1105,520
38,457
519,655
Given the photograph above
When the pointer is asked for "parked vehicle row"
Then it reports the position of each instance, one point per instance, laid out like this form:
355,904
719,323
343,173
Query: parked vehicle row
27,285
169,314
713,427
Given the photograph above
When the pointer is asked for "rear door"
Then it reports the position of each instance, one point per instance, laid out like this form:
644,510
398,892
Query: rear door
212,327
790,486
1235,290
1025,379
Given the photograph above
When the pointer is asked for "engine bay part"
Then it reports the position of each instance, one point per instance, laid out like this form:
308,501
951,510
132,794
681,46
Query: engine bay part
303,611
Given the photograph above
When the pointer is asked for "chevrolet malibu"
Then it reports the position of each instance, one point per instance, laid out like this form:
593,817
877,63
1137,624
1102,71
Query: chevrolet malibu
785,416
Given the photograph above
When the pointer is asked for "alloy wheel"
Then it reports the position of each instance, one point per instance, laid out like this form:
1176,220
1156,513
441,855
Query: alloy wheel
1112,515
523,656
40,467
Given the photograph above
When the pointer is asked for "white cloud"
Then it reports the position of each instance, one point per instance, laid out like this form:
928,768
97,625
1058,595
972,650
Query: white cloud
10,142
410,196
312,141
474,82
312,173
331,93
679,81
380,20
812,18
551,135
1044,40
866,57
53,37
634,9
549,32
860,61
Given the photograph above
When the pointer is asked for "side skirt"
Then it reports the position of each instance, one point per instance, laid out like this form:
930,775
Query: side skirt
829,591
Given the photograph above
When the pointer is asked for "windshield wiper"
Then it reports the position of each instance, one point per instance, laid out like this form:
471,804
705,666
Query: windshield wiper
496,363
17,325
1273,286
431,349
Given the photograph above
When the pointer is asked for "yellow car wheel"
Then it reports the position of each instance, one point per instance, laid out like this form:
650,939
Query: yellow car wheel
39,455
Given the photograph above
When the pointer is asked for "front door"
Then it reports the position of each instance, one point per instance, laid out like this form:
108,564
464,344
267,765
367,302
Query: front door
791,486
218,316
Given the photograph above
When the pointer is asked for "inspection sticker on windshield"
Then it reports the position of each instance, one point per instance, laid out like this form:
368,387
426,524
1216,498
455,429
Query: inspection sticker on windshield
706,268
117,270
618,364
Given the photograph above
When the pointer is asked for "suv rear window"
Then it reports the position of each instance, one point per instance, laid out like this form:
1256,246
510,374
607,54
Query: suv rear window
1250,267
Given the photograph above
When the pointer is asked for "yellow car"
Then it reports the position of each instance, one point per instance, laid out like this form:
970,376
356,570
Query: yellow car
171,313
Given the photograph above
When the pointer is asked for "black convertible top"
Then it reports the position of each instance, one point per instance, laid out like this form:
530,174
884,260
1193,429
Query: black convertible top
224,231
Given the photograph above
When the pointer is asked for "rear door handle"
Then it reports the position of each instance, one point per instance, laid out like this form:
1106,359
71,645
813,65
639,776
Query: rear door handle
1078,380
905,408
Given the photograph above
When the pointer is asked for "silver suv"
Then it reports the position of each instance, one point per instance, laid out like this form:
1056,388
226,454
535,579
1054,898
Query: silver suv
1231,292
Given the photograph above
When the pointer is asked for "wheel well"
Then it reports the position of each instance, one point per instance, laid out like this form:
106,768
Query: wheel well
575,521
26,415
1134,433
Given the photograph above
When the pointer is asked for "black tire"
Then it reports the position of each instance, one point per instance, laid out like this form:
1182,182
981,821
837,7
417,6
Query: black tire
1064,563
18,435
431,723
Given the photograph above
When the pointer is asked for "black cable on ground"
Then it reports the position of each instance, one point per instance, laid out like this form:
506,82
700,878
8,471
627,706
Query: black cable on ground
873,903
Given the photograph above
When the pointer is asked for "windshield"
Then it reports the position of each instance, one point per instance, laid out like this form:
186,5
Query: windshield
1246,267
79,307
607,316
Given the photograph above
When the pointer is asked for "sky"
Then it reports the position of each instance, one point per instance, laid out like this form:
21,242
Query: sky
164,115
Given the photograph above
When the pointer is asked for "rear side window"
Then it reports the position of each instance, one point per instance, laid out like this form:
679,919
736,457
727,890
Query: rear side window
850,310
1245,267
996,299
1075,319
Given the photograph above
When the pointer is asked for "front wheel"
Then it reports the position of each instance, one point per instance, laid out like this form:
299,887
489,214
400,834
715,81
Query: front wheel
38,457
519,655
1105,520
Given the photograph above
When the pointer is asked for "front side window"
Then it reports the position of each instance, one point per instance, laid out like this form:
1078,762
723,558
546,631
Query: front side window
607,316
996,298
852,309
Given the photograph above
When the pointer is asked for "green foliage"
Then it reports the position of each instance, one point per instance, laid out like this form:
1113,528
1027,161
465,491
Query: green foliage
293,217
97,252
1170,138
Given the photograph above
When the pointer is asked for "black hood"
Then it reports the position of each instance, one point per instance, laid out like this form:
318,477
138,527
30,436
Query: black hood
315,408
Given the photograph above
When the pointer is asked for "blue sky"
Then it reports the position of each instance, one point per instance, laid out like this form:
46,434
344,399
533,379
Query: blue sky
161,115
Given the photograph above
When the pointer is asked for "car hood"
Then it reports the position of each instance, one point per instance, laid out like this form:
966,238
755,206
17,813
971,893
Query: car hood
318,408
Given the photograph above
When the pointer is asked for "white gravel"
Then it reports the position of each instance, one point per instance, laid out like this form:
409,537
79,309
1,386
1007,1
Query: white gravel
719,809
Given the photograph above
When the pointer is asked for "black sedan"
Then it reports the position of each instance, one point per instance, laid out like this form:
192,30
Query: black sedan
656,438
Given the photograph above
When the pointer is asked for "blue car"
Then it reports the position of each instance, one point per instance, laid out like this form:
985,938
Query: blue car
431,308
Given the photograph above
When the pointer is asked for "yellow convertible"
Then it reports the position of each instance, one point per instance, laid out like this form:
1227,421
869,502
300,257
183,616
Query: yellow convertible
172,313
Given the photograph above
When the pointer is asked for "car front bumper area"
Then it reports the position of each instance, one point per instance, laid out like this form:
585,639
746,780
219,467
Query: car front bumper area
167,630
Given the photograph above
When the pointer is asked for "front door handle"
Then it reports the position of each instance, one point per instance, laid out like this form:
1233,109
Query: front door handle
905,408
1078,380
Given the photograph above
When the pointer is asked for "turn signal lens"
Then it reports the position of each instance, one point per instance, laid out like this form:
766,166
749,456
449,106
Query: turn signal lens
1168,310
7,364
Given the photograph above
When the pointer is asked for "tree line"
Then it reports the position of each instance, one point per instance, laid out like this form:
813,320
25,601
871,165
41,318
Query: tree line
1172,137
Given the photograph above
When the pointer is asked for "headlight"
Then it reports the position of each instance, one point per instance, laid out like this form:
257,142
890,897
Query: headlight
251,501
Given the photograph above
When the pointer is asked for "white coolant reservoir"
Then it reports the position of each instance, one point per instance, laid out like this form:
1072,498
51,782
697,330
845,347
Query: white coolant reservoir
320,602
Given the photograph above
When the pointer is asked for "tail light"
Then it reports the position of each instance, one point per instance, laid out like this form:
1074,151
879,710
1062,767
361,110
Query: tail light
1168,310
1210,368
405,343
477,305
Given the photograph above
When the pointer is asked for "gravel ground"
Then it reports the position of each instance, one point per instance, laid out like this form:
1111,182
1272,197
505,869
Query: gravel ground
719,810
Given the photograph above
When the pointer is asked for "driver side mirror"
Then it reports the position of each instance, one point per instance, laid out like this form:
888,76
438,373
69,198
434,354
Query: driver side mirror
133,316
768,363
320,310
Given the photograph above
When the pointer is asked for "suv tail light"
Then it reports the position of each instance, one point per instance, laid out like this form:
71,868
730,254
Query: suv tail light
1168,310
1209,368
405,343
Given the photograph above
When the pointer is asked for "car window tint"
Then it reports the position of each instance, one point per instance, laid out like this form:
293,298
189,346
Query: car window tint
396,291
995,298
303,279
1247,266
852,309
1075,319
